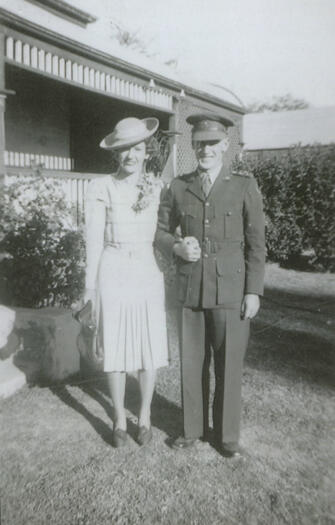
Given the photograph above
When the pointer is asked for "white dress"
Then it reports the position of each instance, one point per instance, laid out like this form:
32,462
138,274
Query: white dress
121,266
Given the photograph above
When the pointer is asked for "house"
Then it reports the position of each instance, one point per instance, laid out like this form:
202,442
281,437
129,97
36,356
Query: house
63,86
274,133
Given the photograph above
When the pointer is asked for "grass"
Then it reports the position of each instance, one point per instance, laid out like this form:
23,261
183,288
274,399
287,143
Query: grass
58,467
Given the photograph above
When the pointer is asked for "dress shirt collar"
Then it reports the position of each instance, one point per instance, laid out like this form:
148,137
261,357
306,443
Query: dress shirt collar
213,174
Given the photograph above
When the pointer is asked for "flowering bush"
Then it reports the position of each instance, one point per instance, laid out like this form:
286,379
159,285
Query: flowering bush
299,201
42,249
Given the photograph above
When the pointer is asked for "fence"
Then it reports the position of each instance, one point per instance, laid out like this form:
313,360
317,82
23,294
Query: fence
74,184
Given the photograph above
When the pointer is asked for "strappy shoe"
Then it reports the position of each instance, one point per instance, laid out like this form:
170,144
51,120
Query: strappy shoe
144,435
119,438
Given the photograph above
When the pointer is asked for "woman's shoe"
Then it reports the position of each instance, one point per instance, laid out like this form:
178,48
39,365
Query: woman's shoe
119,438
144,436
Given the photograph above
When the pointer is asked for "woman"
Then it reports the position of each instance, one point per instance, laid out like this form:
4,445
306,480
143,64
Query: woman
122,277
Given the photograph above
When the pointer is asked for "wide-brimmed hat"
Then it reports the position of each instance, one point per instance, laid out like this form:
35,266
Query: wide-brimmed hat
130,131
209,126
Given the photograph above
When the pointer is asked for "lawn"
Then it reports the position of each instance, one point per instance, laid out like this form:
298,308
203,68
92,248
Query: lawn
58,465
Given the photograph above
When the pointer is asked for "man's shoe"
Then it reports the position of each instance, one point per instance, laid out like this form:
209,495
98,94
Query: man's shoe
182,442
119,438
229,452
144,436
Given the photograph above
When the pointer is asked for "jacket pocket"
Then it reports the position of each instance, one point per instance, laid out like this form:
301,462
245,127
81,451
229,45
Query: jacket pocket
232,222
184,276
230,269
188,218
233,225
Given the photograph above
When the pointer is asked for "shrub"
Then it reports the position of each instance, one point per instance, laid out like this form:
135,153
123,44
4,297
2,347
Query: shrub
44,251
298,190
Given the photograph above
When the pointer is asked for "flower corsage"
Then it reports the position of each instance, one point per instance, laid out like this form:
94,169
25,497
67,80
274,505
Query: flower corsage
146,188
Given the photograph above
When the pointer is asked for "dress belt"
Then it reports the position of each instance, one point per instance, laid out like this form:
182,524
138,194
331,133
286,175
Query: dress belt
131,249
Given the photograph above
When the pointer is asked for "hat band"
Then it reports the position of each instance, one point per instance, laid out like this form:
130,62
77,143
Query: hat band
209,135
122,136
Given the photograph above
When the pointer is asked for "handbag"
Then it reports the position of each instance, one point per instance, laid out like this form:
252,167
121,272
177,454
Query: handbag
84,316
88,340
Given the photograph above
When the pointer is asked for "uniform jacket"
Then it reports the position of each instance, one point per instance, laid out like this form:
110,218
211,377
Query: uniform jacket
229,226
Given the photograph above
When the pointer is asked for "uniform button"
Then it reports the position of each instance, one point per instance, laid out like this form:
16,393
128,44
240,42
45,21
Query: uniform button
239,270
206,221
206,203
205,238
206,255
229,213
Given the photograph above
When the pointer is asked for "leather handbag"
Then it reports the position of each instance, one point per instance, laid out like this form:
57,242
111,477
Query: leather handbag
84,316
88,340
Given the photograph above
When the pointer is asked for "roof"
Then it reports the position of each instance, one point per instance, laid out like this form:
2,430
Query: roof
97,37
283,129
68,10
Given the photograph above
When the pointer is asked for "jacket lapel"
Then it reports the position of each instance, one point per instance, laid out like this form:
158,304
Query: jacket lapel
195,187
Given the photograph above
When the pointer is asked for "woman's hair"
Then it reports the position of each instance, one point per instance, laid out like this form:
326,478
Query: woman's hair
151,147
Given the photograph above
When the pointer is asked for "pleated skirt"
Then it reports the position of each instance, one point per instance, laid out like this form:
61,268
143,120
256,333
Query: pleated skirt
132,317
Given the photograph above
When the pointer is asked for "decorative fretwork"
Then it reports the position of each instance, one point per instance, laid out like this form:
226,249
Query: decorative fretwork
37,58
159,151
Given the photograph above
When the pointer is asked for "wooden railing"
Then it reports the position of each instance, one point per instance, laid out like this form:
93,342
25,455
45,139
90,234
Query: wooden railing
74,184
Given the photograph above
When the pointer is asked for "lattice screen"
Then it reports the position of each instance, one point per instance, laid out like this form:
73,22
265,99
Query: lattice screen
186,161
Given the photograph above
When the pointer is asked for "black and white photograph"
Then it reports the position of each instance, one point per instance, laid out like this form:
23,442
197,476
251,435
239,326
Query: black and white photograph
167,262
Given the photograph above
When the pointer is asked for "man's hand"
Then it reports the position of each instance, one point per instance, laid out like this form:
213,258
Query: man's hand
188,249
250,306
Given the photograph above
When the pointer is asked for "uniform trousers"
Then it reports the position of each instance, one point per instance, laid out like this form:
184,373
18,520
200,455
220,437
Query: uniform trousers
224,332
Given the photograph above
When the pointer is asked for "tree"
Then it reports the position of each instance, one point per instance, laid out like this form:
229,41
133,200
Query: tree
278,103
135,40
130,39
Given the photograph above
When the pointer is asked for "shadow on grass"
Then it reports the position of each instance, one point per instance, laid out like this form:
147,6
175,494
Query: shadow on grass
293,354
99,426
165,415
302,353
302,300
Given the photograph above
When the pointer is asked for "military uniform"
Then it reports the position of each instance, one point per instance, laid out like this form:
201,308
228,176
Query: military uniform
229,226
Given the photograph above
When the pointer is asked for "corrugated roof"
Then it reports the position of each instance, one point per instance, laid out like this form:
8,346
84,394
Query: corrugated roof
93,37
283,129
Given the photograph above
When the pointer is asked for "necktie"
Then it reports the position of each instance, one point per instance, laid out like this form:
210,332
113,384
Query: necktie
206,182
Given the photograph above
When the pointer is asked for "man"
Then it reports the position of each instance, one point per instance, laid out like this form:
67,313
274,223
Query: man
220,266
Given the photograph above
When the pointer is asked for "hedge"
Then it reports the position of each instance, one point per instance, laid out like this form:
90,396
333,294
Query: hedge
298,190
42,250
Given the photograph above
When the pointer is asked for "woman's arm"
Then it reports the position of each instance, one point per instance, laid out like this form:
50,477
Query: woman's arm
95,216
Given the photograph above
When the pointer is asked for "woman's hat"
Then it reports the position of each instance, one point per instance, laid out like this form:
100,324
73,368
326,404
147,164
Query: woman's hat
130,131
